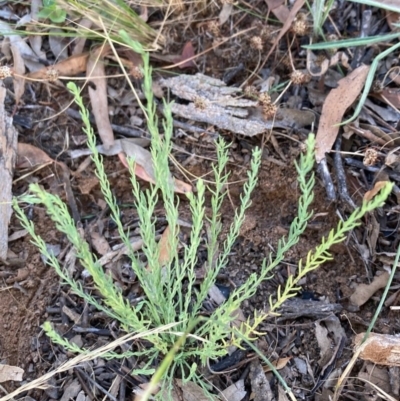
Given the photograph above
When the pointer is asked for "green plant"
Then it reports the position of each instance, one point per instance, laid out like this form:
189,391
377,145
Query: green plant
171,292
320,10
52,11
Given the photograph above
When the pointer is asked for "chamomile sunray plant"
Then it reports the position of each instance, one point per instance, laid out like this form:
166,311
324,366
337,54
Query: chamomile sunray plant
172,294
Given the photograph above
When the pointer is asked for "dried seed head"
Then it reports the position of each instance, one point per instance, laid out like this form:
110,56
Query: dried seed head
269,110
52,74
370,157
200,103
250,91
299,77
214,28
5,72
137,72
377,86
30,283
300,25
264,99
256,43
332,37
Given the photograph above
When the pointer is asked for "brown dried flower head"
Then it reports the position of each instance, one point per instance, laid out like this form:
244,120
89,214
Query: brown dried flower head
300,25
200,103
5,72
256,43
52,74
377,86
250,91
299,77
264,99
370,157
137,73
214,28
269,110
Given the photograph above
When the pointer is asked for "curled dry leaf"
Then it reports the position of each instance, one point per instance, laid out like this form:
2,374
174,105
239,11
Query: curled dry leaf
225,13
365,291
192,391
143,163
279,9
278,364
371,193
69,67
382,349
186,58
99,243
19,69
164,248
29,156
336,104
235,392
98,97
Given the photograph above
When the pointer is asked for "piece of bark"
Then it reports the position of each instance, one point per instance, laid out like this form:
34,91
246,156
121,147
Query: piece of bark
8,152
296,307
214,103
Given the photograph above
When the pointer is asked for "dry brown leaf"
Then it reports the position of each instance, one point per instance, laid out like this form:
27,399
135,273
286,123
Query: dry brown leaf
225,13
58,44
99,242
80,42
31,60
8,372
98,97
279,9
19,69
364,292
336,104
192,391
69,67
30,156
186,60
377,187
144,165
390,96
278,364
287,25
235,392
382,349
164,248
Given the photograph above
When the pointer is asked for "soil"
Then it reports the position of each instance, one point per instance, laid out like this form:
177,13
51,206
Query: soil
31,292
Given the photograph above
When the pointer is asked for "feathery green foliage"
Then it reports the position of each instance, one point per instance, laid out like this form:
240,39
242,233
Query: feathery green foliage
171,292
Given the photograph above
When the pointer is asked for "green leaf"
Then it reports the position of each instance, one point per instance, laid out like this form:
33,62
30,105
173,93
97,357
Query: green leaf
46,12
58,16
353,42
379,4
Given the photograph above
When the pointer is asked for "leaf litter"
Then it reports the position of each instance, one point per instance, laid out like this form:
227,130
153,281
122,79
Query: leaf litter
229,111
